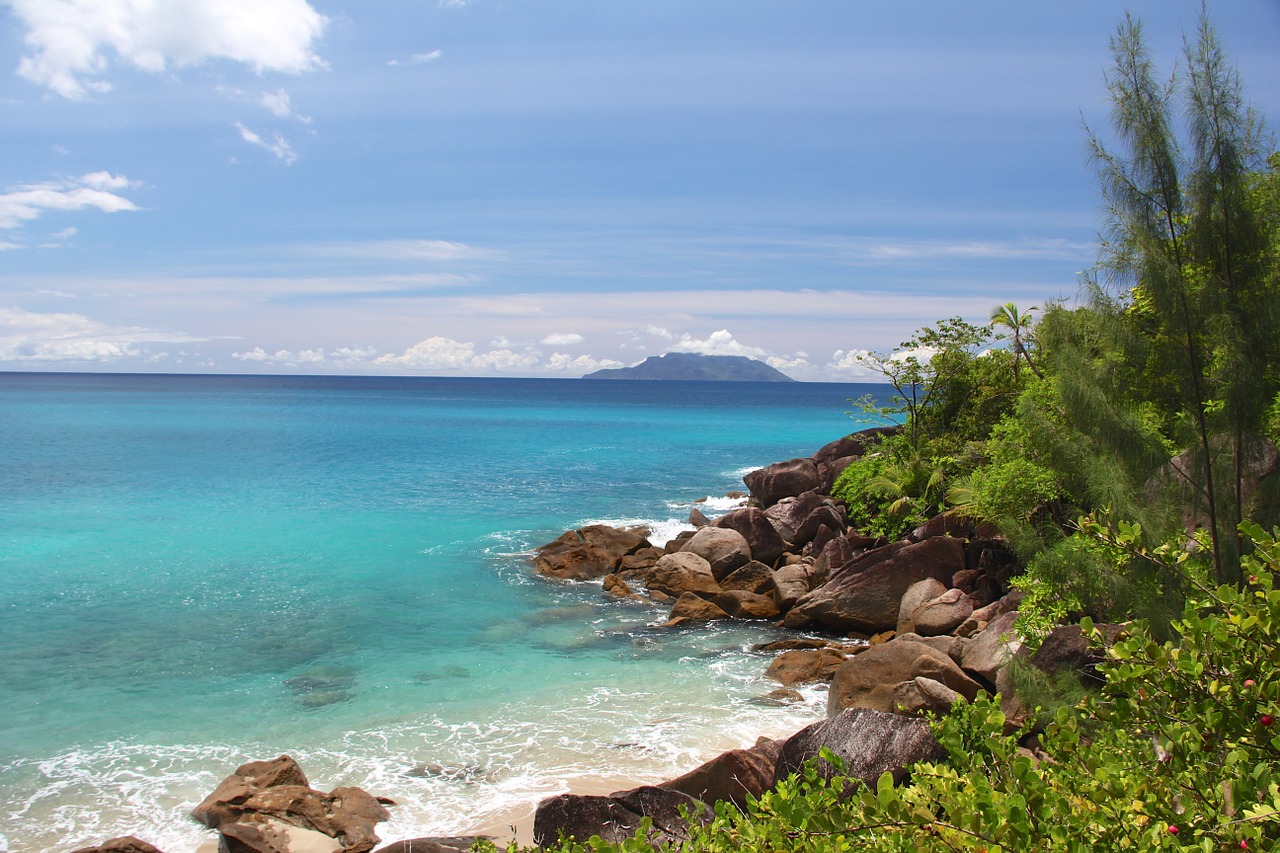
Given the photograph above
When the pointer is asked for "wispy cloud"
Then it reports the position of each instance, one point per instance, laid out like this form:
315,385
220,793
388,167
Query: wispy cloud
418,58
407,250
277,145
73,43
97,190
28,336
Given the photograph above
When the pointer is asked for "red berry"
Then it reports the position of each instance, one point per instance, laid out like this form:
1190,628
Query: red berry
1249,682
1266,719
1173,830
1244,844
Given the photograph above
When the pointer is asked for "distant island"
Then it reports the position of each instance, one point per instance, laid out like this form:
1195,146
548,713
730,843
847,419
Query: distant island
691,366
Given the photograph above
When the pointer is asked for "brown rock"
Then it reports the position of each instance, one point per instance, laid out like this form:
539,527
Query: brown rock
616,540
922,694
764,542
732,776
641,560
868,680
723,548
125,844
698,518
615,818
918,593
741,604
942,614
616,586
789,513
993,648
690,606
805,666
753,577
576,561
866,595
682,572
434,844
825,516
781,480
791,583
869,743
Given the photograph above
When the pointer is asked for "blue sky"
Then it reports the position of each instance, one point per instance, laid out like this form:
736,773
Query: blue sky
508,187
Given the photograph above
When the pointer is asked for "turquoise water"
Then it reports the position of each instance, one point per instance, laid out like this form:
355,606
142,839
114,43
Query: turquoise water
197,571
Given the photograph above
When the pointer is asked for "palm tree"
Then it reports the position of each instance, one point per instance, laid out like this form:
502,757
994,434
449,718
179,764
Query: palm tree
1019,324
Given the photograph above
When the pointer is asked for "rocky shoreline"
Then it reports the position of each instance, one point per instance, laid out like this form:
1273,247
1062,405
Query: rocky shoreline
895,628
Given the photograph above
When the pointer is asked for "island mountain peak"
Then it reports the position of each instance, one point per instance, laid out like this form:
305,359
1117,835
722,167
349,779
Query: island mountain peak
691,366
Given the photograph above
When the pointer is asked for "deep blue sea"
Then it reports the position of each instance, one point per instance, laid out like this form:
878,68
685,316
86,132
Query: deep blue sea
197,571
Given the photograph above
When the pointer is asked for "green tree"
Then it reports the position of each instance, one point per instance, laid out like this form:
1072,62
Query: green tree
1190,259
1019,324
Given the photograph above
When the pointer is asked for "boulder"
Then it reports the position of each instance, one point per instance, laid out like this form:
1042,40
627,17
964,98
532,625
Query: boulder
865,596
805,666
616,540
789,513
642,560
791,583
130,844
868,680
741,604
616,817
921,694
691,606
992,649
918,593
616,586
983,615
826,515
855,444
732,776
435,844
1066,649
942,614
780,480
753,577
723,548
270,835
764,542
682,572
578,561
698,518
869,743
952,647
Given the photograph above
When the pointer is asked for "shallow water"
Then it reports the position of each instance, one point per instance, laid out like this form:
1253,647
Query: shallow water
200,571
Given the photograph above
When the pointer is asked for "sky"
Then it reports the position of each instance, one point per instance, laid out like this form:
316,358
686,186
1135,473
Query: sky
521,188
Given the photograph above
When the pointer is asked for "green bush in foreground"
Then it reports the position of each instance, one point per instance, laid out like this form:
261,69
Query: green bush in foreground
1180,751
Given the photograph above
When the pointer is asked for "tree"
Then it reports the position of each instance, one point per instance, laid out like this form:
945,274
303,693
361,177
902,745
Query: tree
1019,325
1191,260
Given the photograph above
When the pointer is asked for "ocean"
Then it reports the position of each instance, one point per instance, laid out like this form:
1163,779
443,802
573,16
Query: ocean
198,571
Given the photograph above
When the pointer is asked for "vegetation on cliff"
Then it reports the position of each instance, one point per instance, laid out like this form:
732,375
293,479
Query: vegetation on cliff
695,367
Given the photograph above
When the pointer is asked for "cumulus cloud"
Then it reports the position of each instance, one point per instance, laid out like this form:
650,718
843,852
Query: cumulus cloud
341,357
439,353
560,362
562,340
28,336
277,145
72,43
717,343
96,190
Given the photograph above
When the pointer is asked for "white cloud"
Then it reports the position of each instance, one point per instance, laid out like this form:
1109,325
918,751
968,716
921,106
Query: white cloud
418,58
280,105
277,145
27,336
88,191
562,340
71,43
560,362
342,357
718,343
659,332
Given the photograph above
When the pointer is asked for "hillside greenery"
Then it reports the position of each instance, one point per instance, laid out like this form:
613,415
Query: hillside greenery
1119,445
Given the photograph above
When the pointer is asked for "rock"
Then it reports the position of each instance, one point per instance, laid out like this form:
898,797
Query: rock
741,604
980,617
271,772
691,606
753,577
126,844
950,523
867,680
827,516
993,648
868,742
855,444
615,817
435,844
697,518
723,548
943,614
576,561
922,694
866,595
270,835
731,776
780,480
789,513
784,696
677,542
764,542
790,583
918,593
1065,649
642,560
618,540
805,666
682,572
616,586
829,472
952,647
